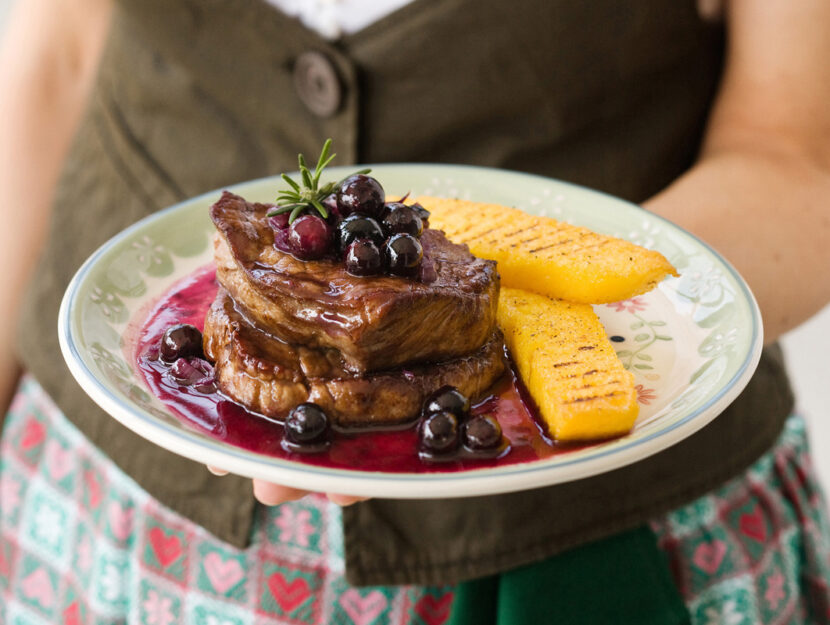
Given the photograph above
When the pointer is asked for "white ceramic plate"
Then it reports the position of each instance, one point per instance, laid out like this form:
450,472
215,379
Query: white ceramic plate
692,343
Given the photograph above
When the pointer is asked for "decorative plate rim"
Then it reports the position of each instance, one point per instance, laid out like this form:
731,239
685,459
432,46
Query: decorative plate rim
473,482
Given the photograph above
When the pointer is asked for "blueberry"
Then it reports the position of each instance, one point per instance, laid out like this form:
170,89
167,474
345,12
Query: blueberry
356,227
279,222
363,258
360,194
447,399
403,254
309,237
194,372
481,433
330,202
399,218
307,423
439,433
180,341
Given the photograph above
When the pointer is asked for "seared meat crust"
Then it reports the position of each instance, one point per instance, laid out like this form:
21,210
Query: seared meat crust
375,323
270,376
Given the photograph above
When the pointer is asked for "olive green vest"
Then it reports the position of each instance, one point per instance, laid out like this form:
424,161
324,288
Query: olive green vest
197,94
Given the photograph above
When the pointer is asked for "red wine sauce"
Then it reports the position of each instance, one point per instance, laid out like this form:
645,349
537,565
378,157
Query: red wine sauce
388,450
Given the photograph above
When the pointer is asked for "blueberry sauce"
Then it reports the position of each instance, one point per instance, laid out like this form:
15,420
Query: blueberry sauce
388,450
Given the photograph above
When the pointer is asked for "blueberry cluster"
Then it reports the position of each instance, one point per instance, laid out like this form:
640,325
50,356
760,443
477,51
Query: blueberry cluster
306,429
181,349
447,426
372,236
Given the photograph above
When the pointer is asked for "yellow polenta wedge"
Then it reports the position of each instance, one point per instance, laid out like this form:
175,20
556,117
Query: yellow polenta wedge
547,256
567,363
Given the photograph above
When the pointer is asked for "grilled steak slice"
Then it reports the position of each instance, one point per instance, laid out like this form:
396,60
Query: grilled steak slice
271,377
376,323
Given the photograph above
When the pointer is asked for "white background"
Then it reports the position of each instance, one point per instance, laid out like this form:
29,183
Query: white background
808,354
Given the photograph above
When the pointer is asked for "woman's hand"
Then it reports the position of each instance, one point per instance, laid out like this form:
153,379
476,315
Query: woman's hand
270,494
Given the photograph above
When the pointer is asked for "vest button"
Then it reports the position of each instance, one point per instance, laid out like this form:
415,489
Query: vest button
317,83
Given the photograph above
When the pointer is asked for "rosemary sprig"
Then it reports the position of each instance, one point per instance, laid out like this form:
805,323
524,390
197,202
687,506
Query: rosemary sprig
308,195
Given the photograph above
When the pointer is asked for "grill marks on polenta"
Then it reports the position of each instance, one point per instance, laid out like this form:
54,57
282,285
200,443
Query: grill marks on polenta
568,365
547,256
551,272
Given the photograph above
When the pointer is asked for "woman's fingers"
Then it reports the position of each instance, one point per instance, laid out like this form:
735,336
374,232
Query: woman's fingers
271,494
266,492
274,494
344,500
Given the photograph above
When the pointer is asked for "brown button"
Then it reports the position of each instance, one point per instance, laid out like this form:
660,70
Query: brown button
317,83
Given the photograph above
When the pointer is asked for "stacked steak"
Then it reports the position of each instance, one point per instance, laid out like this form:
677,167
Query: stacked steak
367,350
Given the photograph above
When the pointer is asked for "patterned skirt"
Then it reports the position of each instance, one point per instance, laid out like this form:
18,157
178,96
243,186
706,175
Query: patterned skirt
80,542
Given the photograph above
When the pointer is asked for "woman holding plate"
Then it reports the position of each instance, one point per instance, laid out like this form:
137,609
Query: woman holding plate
113,110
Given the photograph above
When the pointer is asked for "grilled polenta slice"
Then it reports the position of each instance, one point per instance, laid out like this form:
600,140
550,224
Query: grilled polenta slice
568,365
547,256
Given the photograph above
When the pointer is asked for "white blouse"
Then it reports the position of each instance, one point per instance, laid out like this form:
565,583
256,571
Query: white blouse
335,18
